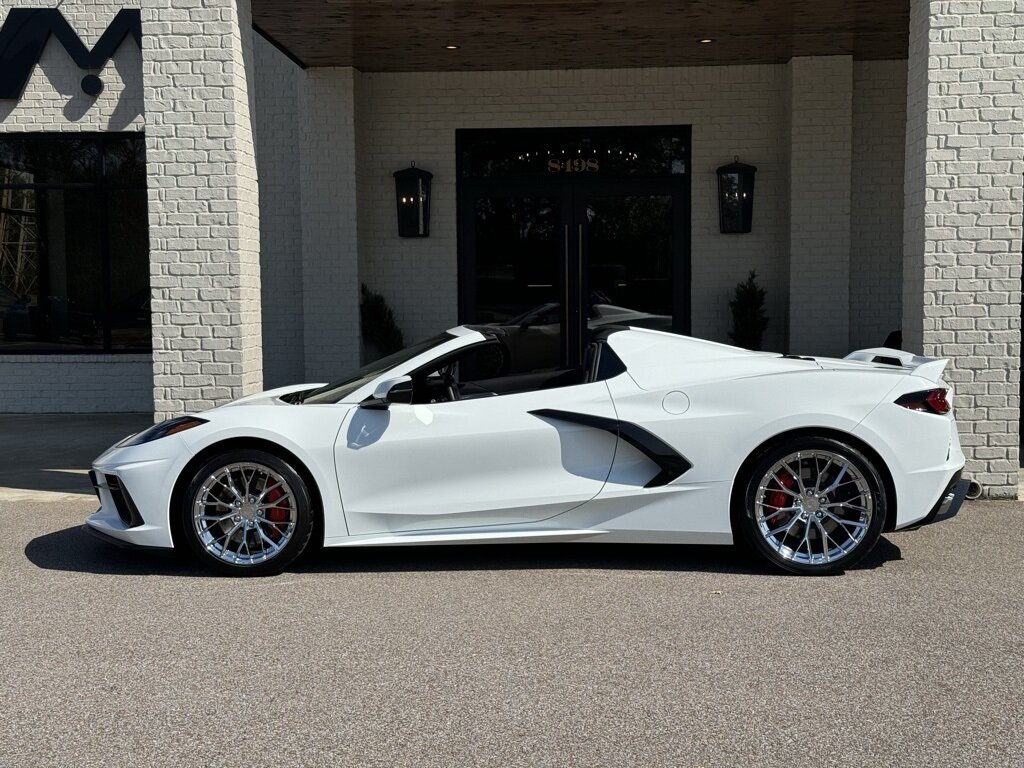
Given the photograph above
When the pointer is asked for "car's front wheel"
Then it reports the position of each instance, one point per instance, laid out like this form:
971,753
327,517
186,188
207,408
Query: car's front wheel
811,505
247,512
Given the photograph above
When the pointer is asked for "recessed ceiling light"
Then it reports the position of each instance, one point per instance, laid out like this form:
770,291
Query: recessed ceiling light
706,40
452,47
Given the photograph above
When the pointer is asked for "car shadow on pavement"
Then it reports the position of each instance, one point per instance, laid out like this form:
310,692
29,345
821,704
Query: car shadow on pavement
559,556
73,549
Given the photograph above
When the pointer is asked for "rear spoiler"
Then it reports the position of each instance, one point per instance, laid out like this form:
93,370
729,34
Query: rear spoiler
930,368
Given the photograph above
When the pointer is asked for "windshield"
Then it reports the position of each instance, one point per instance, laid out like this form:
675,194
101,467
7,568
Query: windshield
338,390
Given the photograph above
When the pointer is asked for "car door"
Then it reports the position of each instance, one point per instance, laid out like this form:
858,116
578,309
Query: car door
483,461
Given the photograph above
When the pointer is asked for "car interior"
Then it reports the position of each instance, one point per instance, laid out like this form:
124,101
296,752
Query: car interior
487,369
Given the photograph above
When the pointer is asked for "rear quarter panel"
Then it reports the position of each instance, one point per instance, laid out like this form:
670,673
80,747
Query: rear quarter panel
922,450
725,421
728,418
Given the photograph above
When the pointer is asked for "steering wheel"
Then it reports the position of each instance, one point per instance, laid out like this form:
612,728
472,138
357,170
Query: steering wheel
448,380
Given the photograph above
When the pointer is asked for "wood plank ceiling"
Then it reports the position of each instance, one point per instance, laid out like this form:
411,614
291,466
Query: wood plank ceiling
389,36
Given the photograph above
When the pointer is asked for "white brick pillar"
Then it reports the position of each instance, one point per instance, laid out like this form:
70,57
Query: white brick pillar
203,203
820,152
277,163
330,280
963,215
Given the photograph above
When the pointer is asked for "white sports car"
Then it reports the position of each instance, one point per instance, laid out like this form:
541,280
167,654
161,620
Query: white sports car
657,438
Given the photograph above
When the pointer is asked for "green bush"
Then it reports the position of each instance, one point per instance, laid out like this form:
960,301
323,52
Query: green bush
749,319
378,320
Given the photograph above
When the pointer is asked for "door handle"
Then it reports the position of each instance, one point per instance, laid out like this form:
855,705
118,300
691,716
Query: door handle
565,299
581,307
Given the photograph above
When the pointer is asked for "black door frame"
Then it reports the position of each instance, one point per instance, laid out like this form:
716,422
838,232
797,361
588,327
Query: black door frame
572,190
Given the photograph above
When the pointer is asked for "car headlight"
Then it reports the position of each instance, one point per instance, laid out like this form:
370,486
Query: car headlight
164,429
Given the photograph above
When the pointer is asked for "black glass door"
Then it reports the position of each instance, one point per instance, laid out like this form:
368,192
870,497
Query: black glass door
633,251
515,270
555,256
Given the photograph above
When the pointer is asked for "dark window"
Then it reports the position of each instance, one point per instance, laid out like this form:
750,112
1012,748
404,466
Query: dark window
74,244
490,369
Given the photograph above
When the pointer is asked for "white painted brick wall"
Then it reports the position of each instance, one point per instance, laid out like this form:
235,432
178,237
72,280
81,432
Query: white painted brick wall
914,159
965,164
53,101
277,162
330,293
734,110
76,384
203,203
821,138
876,214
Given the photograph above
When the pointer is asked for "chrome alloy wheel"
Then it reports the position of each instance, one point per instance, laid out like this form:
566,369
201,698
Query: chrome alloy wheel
244,513
814,507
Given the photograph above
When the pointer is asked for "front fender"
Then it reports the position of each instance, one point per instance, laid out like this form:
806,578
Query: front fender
308,432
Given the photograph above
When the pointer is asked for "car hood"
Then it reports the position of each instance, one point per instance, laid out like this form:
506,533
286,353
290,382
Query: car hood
271,396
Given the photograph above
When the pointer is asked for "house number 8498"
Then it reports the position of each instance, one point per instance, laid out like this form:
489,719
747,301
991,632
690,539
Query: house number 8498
573,165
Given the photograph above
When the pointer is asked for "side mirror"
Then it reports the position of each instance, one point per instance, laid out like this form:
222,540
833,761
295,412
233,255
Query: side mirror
396,390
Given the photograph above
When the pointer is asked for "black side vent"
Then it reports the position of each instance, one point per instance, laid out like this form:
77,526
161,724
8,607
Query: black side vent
670,463
887,360
126,508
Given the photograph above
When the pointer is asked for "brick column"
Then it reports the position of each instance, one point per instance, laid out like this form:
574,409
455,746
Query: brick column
820,152
203,203
962,218
277,163
330,280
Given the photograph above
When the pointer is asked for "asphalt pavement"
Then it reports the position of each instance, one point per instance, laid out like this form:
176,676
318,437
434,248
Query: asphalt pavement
45,457
543,655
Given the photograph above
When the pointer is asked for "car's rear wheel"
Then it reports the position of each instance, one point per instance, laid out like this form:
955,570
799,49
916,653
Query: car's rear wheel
247,512
811,505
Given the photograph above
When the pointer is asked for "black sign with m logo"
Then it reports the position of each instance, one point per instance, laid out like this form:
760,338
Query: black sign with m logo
24,35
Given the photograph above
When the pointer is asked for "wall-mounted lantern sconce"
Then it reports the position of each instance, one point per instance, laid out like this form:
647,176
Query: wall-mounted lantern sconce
736,197
412,194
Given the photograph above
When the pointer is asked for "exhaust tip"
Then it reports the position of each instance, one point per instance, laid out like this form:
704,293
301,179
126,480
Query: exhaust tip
973,490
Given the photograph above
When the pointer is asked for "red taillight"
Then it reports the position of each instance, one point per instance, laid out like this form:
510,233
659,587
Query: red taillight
929,401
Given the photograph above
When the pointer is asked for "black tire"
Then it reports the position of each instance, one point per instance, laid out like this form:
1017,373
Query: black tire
300,525
859,501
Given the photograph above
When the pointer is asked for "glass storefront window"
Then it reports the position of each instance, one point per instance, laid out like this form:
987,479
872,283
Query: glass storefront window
74,244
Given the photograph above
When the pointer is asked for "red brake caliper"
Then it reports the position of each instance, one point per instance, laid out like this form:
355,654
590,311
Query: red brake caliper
778,498
275,514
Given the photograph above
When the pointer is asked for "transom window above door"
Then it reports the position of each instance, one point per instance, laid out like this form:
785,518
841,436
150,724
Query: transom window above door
599,152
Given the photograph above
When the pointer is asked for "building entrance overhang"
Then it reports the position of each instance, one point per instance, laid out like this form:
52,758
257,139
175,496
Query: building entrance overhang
578,34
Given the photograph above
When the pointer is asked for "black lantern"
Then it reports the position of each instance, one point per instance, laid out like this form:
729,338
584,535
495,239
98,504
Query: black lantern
412,193
736,197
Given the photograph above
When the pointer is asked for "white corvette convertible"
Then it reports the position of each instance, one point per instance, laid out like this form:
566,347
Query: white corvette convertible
657,438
